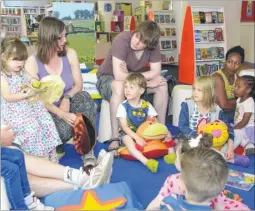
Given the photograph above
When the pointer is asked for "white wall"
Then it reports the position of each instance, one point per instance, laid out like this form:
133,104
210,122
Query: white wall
232,17
247,40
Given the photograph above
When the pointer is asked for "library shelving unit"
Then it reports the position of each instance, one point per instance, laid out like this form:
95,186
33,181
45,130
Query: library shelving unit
168,39
204,44
11,24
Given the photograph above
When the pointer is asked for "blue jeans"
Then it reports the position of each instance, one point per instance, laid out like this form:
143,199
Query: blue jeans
229,115
13,170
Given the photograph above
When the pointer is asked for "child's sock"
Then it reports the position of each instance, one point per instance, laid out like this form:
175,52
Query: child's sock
241,160
152,165
170,158
75,176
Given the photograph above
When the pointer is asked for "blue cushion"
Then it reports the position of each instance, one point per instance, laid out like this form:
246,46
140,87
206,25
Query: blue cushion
109,196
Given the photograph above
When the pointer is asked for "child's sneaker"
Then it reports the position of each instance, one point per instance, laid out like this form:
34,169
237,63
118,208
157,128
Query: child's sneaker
101,154
100,173
37,205
152,165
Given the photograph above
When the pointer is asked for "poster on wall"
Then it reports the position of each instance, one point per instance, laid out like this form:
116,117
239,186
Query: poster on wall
248,11
80,27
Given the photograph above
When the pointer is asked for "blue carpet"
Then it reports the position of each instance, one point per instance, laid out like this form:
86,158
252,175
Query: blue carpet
144,184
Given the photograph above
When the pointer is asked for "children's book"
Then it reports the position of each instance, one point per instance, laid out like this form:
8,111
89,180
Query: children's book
214,17
156,18
198,55
220,51
168,31
204,53
240,180
220,17
173,32
197,36
161,18
202,17
211,36
167,18
208,17
219,34
196,17
204,35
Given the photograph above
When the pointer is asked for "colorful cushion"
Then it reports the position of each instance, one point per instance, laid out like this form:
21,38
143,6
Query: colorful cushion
115,196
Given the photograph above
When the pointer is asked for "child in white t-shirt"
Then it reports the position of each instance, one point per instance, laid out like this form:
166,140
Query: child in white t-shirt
132,113
244,113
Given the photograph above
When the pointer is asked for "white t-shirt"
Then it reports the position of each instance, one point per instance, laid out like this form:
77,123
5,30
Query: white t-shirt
121,111
244,107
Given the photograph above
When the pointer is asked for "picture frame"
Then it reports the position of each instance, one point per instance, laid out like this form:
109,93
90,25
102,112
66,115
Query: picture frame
103,37
248,11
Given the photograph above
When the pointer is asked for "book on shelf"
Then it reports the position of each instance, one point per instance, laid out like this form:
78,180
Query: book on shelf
198,55
209,53
211,36
214,17
197,36
219,34
173,44
173,32
162,32
208,17
204,35
202,16
196,18
168,32
162,18
167,18
156,18
168,58
220,17
208,69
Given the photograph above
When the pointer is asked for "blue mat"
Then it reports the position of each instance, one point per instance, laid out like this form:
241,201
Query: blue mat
145,184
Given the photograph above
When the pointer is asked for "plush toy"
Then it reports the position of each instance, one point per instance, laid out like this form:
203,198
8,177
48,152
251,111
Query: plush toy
153,133
49,89
217,129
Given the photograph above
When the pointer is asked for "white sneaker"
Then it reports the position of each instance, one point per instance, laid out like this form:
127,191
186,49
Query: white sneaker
101,154
101,173
37,205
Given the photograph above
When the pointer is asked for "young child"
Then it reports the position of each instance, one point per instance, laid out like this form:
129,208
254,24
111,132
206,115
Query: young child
172,184
244,113
35,130
202,106
13,170
131,114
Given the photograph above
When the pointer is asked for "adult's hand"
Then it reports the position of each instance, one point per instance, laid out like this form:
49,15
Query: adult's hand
65,105
7,136
157,81
123,67
69,118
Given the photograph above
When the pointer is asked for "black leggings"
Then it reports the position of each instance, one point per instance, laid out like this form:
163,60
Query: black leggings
80,103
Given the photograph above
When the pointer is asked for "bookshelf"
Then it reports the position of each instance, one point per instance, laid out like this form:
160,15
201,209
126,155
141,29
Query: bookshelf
168,40
204,44
11,24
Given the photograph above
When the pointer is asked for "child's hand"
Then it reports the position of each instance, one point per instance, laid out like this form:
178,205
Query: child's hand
229,154
139,140
168,137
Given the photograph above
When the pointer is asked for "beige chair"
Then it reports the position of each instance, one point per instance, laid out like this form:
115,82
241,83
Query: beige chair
179,95
105,130
247,72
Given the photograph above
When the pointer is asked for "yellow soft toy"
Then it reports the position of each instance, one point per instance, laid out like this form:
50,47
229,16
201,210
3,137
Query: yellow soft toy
217,129
153,133
49,89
